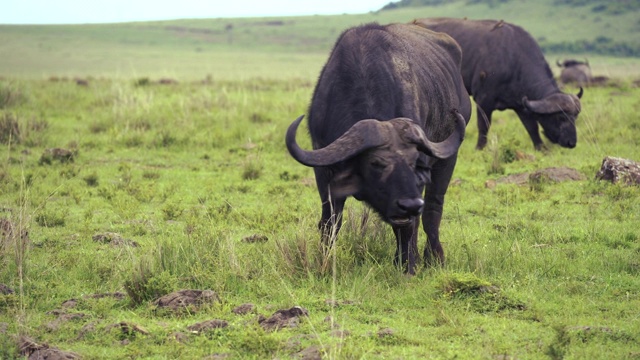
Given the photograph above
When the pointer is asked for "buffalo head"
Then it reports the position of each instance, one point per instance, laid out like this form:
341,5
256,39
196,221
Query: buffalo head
384,163
557,115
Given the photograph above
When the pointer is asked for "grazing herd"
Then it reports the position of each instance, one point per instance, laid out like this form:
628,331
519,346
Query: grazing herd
389,111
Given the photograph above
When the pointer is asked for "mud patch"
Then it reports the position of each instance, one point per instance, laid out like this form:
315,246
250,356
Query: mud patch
190,300
284,318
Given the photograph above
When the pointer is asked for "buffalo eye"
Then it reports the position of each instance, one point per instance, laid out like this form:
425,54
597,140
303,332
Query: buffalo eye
378,164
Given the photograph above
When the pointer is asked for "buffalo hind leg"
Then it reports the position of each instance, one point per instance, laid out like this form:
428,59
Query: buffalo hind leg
432,215
407,250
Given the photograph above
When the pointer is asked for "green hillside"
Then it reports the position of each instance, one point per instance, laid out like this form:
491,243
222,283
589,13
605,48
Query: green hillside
285,46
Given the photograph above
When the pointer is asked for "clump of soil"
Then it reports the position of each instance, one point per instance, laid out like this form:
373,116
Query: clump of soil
244,309
186,299
34,351
284,318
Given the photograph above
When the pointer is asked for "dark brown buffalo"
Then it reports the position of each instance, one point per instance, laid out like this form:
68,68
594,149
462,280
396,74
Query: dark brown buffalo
503,68
386,120
575,72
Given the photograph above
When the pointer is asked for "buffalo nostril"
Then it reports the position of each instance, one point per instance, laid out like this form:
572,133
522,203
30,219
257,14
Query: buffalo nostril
411,206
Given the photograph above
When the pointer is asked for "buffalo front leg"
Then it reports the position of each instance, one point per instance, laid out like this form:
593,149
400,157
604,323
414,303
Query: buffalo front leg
532,128
407,250
432,214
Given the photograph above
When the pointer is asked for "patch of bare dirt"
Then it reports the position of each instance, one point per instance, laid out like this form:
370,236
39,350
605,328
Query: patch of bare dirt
284,318
35,351
183,299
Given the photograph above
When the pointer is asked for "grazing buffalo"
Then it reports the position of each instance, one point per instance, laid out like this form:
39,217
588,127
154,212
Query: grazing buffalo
503,68
575,72
387,117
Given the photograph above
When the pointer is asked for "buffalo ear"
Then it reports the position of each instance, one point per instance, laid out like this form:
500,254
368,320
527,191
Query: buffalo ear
345,183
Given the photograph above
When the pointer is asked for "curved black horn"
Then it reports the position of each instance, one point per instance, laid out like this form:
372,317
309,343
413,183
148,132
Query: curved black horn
558,102
450,145
580,93
364,135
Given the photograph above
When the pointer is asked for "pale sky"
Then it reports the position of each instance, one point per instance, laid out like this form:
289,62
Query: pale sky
109,11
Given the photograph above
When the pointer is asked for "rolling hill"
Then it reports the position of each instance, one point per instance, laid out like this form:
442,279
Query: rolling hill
287,46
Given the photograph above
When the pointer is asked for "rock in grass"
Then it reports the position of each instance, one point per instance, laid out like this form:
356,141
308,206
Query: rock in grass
618,170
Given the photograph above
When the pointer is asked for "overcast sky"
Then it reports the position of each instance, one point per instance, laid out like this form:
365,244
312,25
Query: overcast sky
108,11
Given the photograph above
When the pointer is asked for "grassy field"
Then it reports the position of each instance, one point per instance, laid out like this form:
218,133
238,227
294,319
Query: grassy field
189,185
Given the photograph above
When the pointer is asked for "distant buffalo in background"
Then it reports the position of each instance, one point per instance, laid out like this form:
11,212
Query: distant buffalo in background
579,73
504,68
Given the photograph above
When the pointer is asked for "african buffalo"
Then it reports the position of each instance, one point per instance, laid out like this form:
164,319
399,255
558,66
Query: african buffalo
575,72
386,119
503,68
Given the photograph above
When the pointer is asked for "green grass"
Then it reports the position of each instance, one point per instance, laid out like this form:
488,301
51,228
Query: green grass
188,171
